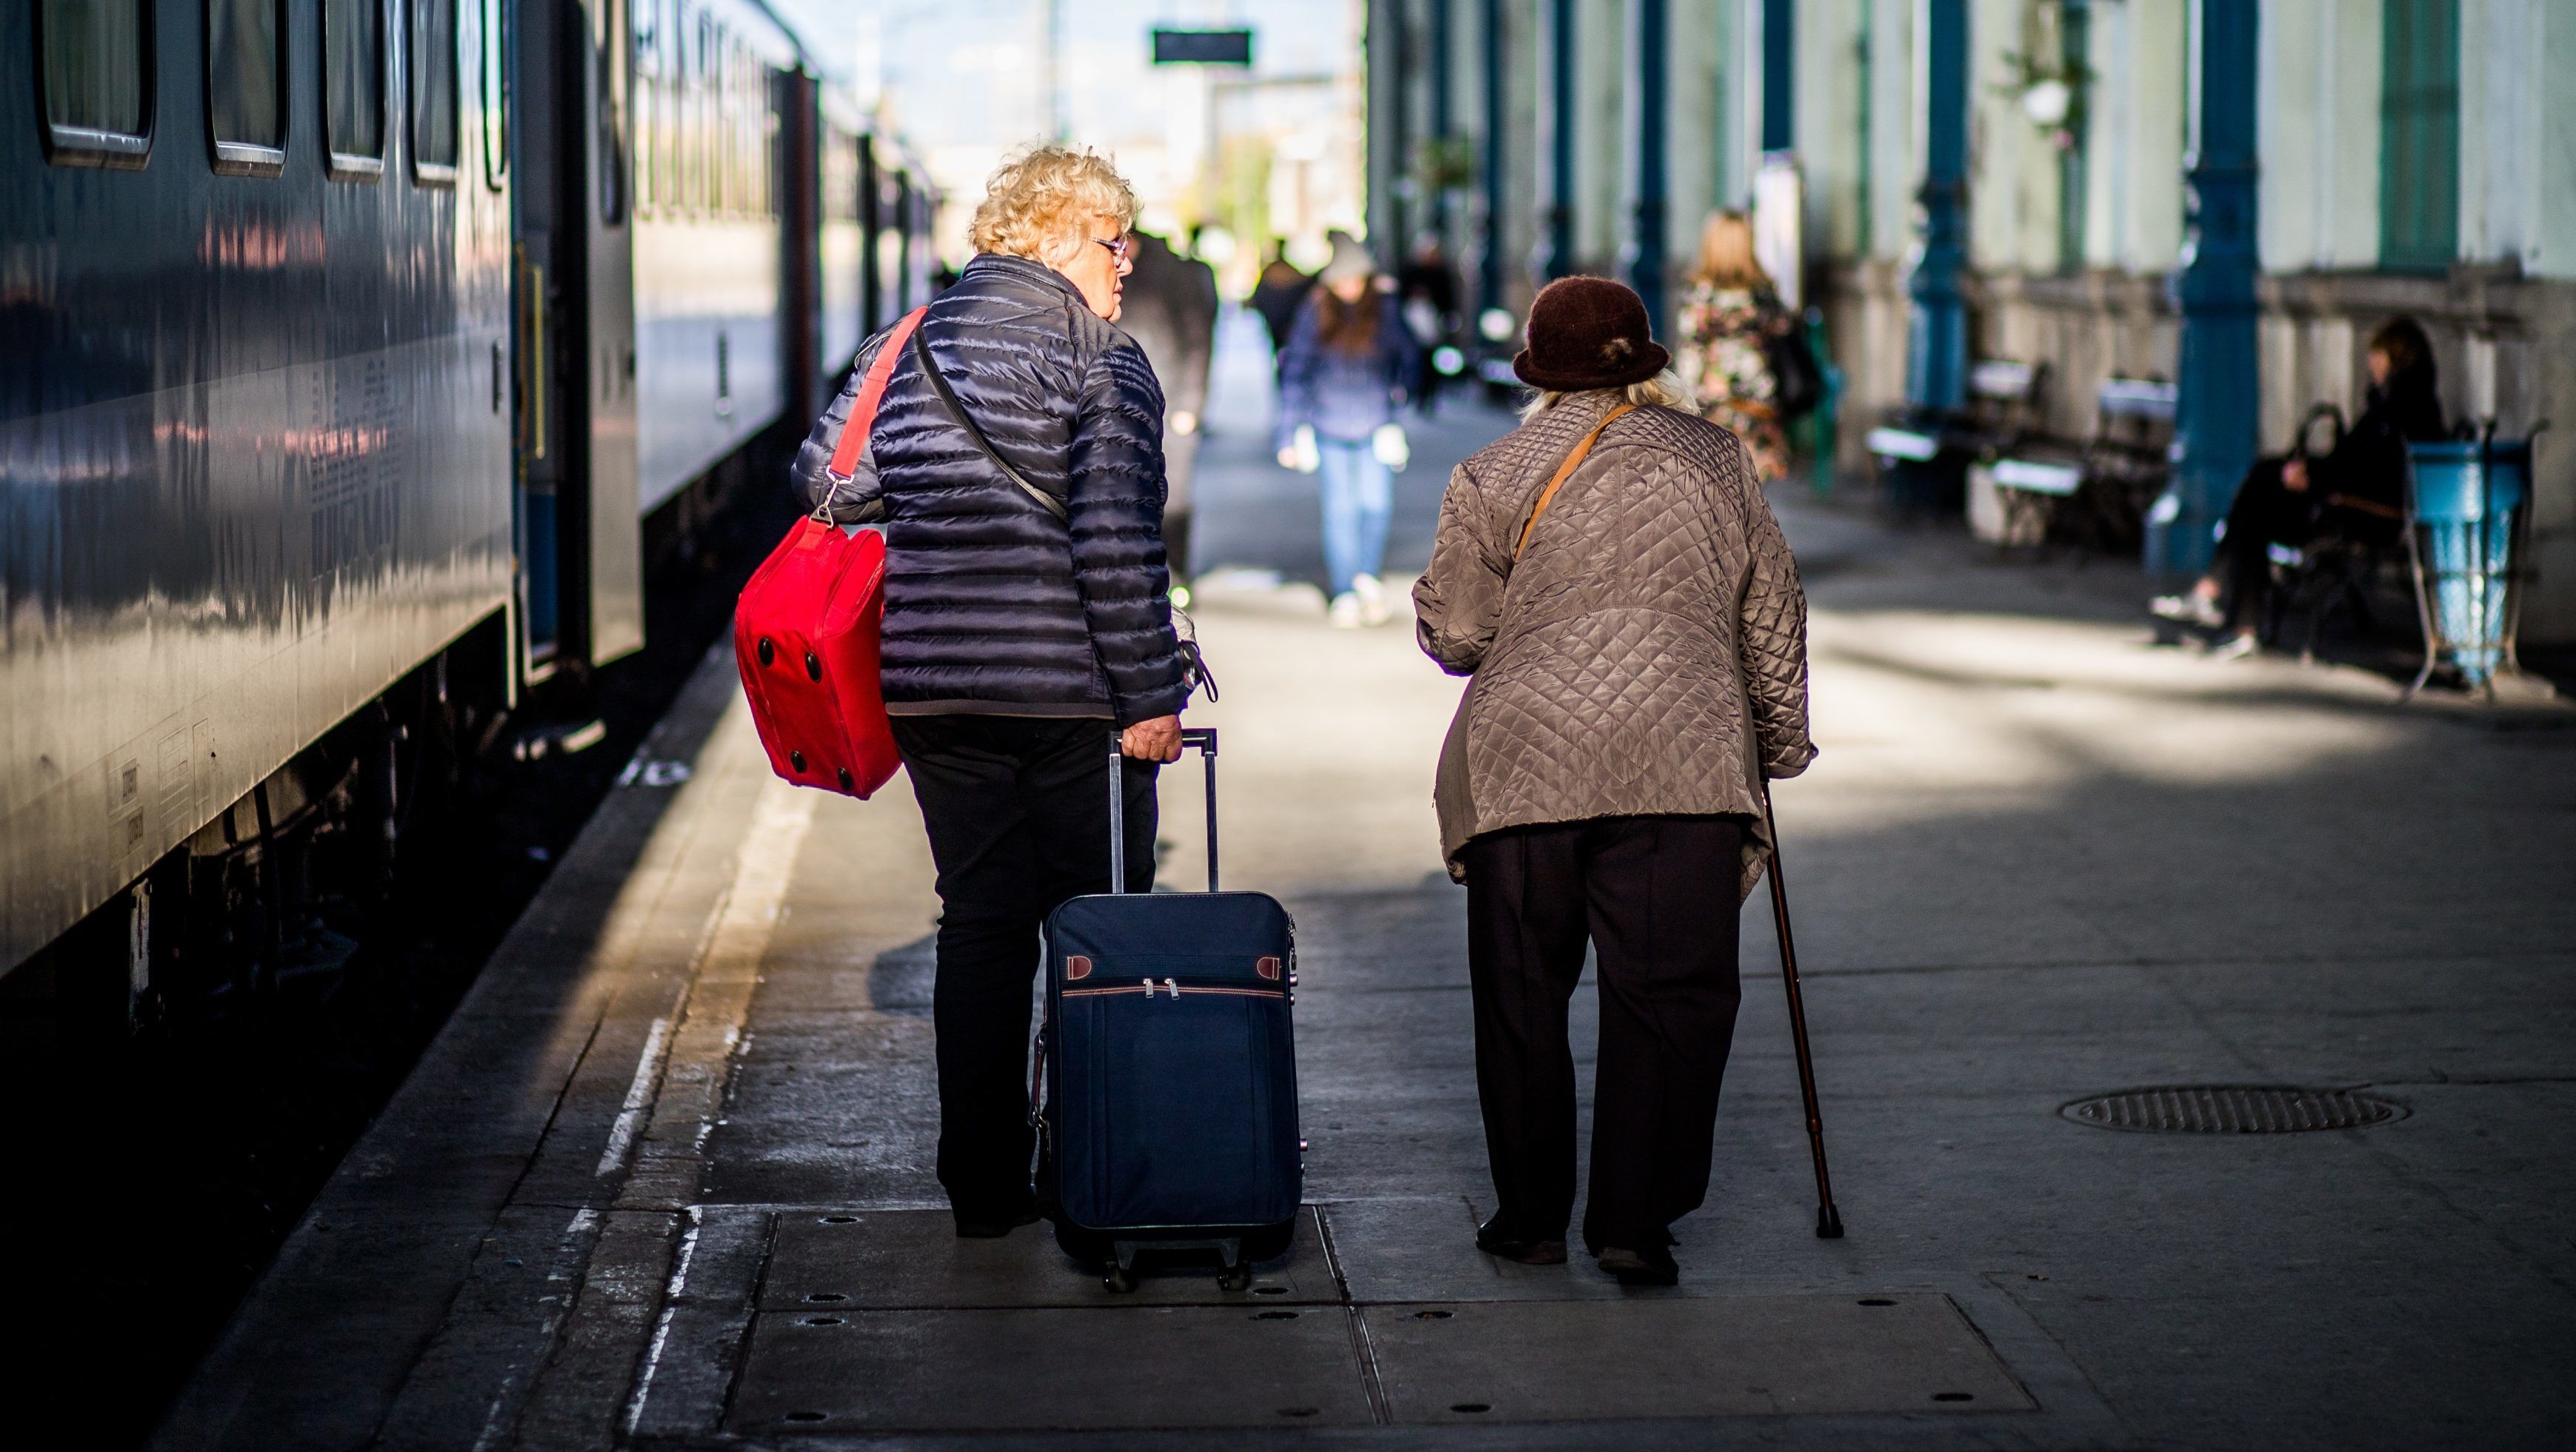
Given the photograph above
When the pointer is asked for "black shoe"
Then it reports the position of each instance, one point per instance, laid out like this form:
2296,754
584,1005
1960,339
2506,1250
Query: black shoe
1641,1267
1495,1240
1592,1244
994,1227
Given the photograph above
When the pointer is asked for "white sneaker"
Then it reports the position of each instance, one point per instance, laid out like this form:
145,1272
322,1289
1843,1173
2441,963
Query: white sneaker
1347,612
1372,598
2236,647
2188,608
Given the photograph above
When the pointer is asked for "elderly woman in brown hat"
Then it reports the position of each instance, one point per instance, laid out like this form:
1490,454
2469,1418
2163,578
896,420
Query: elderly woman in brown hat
1610,577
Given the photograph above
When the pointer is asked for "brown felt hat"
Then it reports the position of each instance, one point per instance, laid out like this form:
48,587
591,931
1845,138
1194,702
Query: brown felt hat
1589,332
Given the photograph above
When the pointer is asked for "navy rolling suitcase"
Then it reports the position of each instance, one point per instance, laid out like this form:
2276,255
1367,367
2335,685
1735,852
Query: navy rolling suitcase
1171,1072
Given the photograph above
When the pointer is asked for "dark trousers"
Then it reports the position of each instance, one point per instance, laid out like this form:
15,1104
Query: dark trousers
1657,898
2264,513
1018,812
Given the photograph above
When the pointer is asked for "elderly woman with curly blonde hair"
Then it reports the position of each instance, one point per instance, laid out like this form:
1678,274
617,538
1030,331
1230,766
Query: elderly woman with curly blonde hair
1017,468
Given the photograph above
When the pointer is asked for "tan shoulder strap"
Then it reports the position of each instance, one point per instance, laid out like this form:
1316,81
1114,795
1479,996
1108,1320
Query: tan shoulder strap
1565,471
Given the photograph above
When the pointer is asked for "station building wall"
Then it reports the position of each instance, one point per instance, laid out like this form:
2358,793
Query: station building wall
2073,239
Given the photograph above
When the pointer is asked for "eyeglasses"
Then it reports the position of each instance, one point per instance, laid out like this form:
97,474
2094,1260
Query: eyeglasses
1120,245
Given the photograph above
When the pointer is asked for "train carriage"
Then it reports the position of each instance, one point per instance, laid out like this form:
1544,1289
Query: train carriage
345,348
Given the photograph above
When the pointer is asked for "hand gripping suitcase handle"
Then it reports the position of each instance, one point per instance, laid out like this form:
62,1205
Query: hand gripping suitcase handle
1202,737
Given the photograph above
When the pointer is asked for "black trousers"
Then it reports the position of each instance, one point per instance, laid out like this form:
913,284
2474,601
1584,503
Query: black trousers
2264,513
1656,896
1018,812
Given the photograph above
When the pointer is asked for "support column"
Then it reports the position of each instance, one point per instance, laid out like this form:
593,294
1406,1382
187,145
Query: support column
2215,418
1556,259
1443,123
1652,23
1497,149
1401,185
1936,345
902,243
871,223
1779,75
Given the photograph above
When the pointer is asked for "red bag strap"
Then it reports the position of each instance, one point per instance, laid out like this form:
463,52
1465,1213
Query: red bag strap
863,410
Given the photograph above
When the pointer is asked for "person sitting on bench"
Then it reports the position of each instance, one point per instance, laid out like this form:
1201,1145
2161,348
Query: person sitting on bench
2357,492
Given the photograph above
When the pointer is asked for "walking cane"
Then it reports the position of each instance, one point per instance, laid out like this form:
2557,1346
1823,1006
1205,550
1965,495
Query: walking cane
1829,1221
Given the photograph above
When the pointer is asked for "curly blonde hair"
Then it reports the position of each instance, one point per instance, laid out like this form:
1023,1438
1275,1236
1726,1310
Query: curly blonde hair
1044,194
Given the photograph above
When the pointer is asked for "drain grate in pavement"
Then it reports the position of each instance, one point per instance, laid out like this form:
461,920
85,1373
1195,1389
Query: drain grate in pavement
2233,1109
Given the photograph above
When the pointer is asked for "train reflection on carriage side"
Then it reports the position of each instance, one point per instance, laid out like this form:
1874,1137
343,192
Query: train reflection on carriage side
350,353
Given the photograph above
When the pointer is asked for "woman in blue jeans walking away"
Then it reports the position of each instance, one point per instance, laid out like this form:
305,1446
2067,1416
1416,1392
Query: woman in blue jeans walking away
1346,372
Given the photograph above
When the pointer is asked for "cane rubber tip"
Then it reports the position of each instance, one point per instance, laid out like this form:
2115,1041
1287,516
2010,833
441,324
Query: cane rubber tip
1829,1223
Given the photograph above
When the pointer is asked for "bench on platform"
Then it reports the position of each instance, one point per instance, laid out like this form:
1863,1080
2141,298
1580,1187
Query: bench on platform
2094,494
1924,456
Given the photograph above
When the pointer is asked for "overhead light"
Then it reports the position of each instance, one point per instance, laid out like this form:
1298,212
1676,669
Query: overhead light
1497,324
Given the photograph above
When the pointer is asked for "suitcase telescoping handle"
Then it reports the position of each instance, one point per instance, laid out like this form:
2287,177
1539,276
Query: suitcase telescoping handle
1202,737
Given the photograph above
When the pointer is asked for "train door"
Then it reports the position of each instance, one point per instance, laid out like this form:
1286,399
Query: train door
580,541
535,287
614,582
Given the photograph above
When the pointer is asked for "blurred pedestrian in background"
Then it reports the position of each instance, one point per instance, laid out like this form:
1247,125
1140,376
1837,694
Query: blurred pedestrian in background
1170,310
1027,616
1277,296
1731,317
2356,492
1612,580
1343,379
1428,286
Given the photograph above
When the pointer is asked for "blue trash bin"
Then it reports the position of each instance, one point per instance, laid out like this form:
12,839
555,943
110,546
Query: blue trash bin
2465,502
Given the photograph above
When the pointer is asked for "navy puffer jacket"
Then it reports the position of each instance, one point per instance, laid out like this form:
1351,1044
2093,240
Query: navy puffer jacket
994,606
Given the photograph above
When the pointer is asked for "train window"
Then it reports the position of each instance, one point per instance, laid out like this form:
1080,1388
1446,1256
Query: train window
701,118
98,110
496,96
245,100
647,83
615,51
353,87
433,91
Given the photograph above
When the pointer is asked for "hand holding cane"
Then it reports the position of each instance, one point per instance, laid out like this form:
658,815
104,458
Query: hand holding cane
1829,1221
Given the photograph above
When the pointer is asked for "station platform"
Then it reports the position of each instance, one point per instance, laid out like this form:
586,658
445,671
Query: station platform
666,1178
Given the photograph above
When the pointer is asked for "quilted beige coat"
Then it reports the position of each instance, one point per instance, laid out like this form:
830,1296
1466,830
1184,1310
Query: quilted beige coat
1645,655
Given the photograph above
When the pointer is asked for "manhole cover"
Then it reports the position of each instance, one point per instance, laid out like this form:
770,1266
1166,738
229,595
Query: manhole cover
2233,1109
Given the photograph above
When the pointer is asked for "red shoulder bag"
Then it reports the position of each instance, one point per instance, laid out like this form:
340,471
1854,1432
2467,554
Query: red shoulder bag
805,629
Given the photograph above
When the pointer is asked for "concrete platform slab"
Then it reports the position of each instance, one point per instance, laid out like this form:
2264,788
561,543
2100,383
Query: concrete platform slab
825,1260
1469,1362
1004,1370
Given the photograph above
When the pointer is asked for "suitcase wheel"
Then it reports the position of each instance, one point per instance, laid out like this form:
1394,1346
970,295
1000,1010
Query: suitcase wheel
1118,1279
796,759
813,665
1236,1277
768,652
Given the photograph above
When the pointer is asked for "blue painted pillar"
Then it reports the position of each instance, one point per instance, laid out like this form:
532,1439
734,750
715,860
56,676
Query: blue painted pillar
1779,75
1489,269
1556,259
2216,414
1398,58
1653,24
1936,345
1443,40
